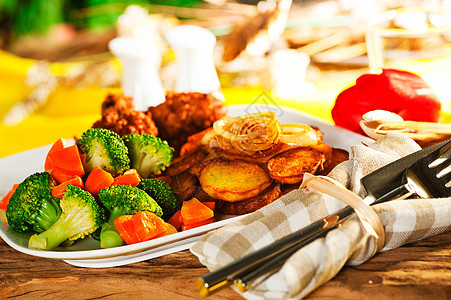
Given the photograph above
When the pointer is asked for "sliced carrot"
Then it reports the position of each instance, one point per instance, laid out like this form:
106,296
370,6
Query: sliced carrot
124,225
193,211
60,175
97,180
211,204
68,159
58,191
198,224
130,177
175,220
5,200
148,225
58,145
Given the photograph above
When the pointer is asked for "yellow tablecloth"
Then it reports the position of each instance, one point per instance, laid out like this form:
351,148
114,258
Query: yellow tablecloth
70,111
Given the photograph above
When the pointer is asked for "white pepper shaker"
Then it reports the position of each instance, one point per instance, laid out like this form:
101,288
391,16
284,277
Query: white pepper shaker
141,61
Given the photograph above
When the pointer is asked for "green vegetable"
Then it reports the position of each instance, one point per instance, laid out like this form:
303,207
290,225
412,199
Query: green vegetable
149,155
32,206
161,192
123,200
81,216
105,149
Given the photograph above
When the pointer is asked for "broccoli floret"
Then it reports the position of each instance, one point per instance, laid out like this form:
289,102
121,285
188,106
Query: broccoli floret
161,192
81,216
32,206
149,155
105,149
123,200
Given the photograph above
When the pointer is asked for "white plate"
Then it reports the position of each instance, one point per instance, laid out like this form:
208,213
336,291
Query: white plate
86,253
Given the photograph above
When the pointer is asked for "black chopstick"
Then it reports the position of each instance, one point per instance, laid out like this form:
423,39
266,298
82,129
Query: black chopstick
223,277
243,282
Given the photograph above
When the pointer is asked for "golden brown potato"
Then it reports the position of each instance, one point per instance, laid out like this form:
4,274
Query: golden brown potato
289,167
251,204
233,180
183,163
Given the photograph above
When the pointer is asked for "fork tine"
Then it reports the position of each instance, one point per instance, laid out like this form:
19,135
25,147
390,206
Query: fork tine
446,170
444,154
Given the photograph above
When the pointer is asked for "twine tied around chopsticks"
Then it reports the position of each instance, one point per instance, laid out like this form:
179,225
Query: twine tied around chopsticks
368,217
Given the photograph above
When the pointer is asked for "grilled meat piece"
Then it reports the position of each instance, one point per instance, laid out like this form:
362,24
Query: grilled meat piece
120,116
184,114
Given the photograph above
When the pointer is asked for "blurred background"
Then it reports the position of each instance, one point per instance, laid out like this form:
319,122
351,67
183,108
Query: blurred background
56,66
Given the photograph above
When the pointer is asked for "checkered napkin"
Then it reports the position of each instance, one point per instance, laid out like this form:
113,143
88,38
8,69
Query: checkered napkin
404,221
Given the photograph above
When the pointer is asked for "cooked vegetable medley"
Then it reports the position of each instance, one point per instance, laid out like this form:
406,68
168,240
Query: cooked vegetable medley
105,187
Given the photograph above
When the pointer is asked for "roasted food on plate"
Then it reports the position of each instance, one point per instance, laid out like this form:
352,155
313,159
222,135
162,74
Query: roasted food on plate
119,115
246,162
184,114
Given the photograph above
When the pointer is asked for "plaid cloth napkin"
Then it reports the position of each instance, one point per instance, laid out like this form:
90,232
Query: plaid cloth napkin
405,221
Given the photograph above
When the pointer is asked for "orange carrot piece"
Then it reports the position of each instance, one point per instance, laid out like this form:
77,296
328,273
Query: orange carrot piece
175,220
193,211
58,191
130,177
5,200
148,225
198,224
68,159
58,145
124,225
60,175
210,204
97,180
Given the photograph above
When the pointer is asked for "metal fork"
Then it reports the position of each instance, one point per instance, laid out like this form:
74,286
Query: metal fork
428,177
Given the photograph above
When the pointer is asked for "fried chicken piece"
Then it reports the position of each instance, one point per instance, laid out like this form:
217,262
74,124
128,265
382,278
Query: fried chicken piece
120,116
184,114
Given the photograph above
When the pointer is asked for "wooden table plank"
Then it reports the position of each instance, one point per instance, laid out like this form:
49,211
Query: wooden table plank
421,270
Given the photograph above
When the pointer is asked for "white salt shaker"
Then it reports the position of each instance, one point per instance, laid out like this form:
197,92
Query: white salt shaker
194,47
140,62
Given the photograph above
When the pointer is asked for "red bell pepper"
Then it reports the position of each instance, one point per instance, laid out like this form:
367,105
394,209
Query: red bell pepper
401,92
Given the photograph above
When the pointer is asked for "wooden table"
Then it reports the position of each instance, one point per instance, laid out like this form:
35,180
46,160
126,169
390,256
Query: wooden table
421,270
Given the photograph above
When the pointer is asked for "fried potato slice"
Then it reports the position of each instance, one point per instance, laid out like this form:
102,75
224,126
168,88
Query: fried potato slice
289,167
183,163
233,180
252,204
